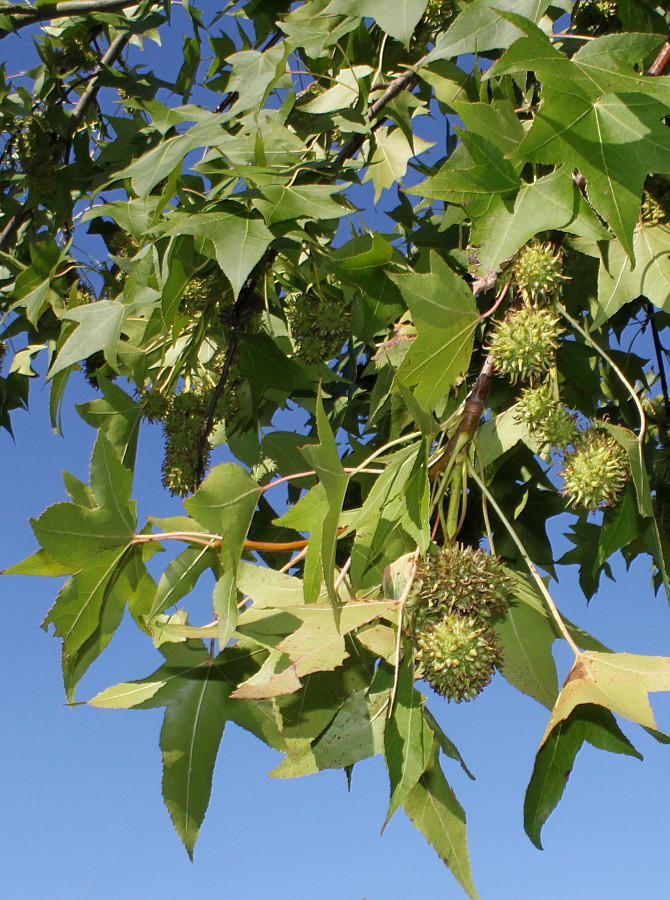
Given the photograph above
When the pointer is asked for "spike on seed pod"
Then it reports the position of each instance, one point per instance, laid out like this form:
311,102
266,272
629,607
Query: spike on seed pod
457,656
462,580
524,343
538,272
596,472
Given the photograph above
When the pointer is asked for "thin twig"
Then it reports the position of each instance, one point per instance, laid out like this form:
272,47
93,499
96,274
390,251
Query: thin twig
660,63
608,359
529,563
658,348
24,15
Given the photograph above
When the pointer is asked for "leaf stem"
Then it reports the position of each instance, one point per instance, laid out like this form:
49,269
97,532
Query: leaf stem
402,603
529,563
608,359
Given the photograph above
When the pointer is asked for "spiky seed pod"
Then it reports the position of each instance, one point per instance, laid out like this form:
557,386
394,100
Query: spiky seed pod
75,53
462,580
182,429
548,420
458,656
439,13
595,16
596,472
319,325
523,344
199,292
155,405
96,365
538,272
37,150
655,208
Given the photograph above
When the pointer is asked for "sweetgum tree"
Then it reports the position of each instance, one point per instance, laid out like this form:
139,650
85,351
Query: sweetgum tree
408,260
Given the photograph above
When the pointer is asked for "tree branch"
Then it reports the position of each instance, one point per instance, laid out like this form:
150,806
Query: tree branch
88,96
24,15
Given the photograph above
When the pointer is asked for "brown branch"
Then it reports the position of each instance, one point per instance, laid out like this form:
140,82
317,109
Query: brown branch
659,350
208,424
404,82
660,63
110,57
474,409
24,15
247,294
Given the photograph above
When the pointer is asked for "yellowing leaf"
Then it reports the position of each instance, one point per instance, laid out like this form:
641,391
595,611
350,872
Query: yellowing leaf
618,681
318,645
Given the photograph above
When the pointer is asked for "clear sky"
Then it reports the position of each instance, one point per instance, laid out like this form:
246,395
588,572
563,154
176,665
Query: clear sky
83,815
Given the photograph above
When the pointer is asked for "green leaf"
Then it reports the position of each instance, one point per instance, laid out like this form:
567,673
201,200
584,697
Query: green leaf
551,202
355,733
254,74
281,203
445,317
225,503
480,27
398,18
319,645
99,328
527,633
238,242
117,416
435,811
195,716
75,614
476,168
179,578
619,282
408,741
39,563
555,759
155,165
268,588
615,141
325,460
633,447
388,164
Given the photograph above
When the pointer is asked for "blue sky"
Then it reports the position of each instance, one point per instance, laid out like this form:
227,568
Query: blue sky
83,811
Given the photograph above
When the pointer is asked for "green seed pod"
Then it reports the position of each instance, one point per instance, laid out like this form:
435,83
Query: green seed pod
596,472
595,16
199,292
462,580
538,272
457,656
182,429
523,344
155,405
439,13
319,324
655,208
548,420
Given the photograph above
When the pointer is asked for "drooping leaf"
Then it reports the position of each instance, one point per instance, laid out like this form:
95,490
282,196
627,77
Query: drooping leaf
620,682
408,741
435,811
555,759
